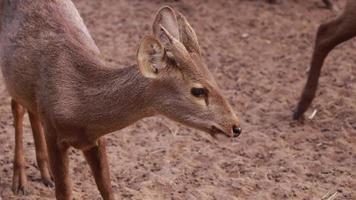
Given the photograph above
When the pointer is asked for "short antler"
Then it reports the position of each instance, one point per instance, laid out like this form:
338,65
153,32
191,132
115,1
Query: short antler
178,50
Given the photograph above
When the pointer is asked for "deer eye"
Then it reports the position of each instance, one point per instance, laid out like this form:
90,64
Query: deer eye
199,92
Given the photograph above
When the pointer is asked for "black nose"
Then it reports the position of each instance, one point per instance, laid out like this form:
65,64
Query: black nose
236,130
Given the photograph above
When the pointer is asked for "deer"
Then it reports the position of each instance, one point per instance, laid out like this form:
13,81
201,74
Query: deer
54,71
329,35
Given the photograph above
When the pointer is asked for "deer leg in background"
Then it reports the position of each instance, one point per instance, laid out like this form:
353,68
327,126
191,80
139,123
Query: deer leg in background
329,35
97,159
19,181
41,149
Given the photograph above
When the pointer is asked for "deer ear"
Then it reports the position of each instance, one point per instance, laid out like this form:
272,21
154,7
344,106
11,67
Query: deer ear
150,57
166,18
187,34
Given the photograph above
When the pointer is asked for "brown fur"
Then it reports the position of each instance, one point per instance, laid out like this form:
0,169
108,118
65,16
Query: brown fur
52,67
329,35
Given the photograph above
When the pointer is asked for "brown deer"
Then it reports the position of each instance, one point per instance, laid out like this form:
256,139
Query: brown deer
329,35
53,69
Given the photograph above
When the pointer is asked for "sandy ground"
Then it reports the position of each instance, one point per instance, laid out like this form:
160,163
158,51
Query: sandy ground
260,54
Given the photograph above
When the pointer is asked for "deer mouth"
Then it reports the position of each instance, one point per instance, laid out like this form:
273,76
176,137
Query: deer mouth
215,131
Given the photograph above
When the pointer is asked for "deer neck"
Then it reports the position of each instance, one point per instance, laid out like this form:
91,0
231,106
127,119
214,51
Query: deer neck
113,99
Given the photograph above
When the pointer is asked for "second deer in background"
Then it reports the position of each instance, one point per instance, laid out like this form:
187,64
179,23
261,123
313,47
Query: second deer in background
329,35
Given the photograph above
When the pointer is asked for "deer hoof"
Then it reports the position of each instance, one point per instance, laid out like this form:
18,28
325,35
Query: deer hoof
20,190
297,115
48,183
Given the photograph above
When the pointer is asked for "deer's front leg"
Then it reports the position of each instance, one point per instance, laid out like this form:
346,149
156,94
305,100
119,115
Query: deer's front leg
329,35
97,159
19,181
58,157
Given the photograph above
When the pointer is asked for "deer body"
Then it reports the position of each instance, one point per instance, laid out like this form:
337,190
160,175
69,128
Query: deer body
22,40
52,68
329,35
84,97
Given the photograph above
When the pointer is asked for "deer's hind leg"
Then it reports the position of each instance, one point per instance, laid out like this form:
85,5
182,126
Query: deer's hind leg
41,149
19,181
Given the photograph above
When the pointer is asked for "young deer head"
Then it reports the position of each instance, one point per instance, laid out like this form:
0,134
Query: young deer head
186,90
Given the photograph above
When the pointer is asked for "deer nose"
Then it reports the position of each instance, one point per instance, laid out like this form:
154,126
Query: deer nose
236,131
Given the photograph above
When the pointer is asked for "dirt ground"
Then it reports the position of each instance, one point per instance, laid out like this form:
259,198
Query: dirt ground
260,55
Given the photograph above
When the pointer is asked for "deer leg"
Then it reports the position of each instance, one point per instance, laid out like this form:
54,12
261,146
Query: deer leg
97,159
59,162
41,149
19,181
329,35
